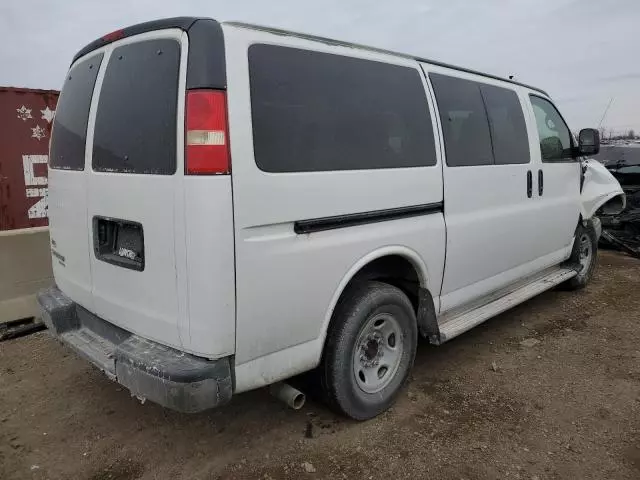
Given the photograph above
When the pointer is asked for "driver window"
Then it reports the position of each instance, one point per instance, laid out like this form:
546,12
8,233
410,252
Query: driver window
555,138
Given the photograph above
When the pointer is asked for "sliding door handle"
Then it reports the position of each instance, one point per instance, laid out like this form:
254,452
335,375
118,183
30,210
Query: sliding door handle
529,184
540,182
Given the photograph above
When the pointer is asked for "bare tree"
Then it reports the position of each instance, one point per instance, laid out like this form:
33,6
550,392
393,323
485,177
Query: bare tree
603,133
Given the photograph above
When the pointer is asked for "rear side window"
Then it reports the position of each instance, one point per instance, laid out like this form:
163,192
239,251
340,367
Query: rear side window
69,133
464,121
135,128
508,129
315,111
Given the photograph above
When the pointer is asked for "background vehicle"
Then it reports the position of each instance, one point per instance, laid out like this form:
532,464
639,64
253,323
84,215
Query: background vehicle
622,228
287,202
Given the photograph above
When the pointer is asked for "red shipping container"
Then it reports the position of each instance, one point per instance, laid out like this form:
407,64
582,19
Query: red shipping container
26,116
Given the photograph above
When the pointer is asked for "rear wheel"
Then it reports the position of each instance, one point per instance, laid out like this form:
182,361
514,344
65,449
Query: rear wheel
369,351
584,256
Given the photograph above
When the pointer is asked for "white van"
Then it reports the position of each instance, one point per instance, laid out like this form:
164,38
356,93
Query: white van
232,205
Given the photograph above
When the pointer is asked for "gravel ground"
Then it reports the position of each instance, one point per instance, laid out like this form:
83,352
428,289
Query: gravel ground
548,390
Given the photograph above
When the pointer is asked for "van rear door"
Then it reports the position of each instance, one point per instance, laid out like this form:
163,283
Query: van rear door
68,182
133,190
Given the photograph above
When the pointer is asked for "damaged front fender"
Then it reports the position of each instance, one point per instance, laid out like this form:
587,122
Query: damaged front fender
600,189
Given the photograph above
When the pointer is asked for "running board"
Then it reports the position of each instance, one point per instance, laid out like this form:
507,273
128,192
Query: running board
459,320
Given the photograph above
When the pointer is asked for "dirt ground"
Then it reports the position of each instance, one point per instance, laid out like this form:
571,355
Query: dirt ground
548,390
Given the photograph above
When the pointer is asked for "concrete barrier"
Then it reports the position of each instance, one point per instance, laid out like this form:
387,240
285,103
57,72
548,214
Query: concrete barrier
25,268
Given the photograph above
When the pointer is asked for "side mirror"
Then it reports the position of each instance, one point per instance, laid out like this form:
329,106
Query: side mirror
589,141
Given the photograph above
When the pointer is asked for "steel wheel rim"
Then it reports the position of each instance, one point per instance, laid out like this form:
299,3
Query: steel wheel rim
586,252
378,352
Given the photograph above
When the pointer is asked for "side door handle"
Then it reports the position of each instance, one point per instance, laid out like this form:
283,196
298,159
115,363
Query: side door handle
540,182
529,184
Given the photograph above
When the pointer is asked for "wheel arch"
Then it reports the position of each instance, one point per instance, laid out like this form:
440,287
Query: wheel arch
395,255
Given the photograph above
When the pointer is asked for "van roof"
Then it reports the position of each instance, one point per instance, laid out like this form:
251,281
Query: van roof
185,23
331,41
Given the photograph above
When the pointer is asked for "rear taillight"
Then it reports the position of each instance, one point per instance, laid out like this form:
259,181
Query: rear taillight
206,135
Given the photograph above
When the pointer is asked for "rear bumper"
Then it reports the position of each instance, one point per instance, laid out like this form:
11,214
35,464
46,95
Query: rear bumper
166,376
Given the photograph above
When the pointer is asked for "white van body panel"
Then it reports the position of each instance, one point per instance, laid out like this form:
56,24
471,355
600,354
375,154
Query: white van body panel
210,265
335,274
493,228
560,200
467,295
309,268
278,365
68,228
599,187
69,224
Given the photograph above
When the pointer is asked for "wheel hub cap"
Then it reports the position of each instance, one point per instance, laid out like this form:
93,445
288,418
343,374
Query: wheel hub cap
378,352
371,350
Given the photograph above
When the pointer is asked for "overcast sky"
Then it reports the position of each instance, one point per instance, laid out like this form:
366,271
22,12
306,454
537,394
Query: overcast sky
583,52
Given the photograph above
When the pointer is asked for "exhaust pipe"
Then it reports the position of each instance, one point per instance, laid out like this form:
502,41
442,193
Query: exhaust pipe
293,397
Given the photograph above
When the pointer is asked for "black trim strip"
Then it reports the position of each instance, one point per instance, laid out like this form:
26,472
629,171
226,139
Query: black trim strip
353,219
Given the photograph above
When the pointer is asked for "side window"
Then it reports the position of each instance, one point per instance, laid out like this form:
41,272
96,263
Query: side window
314,111
508,128
465,127
555,138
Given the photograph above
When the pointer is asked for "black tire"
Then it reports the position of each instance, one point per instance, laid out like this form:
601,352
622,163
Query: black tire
358,306
585,272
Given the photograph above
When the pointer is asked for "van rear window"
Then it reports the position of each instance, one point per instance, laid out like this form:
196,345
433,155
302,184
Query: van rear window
69,133
314,111
135,128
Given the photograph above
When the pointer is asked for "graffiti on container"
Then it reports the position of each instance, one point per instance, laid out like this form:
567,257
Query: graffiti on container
26,120
24,113
48,114
34,185
38,132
